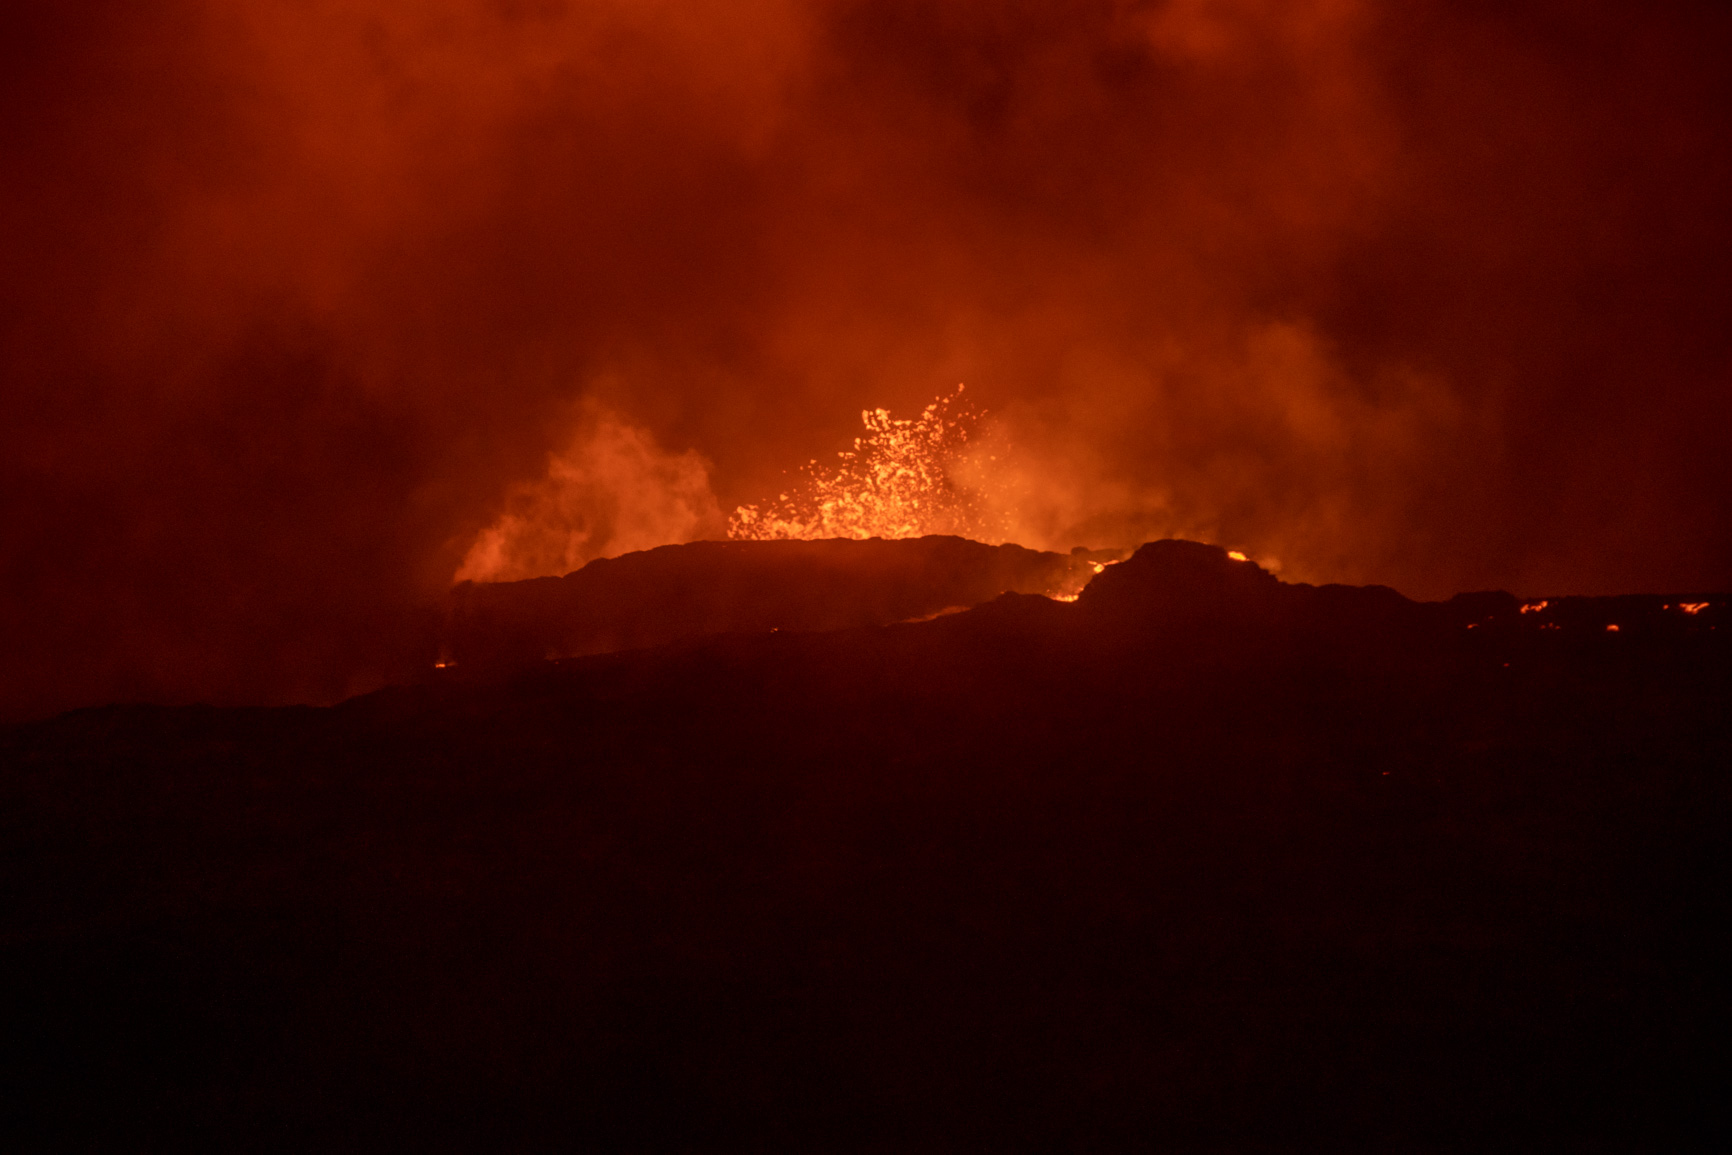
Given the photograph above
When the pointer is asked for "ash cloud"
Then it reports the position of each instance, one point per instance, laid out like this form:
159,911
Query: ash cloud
296,297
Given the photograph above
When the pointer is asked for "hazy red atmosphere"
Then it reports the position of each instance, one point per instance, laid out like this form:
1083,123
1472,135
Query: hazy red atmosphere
297,296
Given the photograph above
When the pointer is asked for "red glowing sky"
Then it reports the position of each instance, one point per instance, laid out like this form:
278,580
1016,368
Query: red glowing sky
1427,294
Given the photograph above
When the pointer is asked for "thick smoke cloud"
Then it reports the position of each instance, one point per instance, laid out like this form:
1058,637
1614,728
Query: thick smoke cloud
299,298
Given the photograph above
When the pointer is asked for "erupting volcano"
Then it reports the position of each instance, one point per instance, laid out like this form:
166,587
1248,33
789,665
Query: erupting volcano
403,746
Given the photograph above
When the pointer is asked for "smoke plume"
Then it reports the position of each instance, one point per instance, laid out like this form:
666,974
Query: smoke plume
300,300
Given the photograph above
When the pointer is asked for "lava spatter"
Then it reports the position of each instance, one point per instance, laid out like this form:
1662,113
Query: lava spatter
895,482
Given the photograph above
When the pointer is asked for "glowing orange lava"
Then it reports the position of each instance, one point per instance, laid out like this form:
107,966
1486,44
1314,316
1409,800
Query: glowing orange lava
895,482
1692,607
1534,607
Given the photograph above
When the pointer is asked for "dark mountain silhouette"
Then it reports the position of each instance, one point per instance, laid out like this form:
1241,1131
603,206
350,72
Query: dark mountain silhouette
1203,861
718,587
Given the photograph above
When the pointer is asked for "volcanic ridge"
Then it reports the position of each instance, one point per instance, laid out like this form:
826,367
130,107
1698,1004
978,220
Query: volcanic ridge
880,845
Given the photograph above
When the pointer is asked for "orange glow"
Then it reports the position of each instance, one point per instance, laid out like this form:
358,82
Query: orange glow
1065,597
1692,607
895,482
1236,555
1612,629
1534,607
490,290
612,490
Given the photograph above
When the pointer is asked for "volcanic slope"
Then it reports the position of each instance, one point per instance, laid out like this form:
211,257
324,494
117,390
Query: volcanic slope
1202,861
677,592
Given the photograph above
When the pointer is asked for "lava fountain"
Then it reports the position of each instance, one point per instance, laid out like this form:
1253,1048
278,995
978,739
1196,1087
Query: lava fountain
899,480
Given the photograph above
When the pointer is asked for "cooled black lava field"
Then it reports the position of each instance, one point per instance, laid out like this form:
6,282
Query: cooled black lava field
1199,862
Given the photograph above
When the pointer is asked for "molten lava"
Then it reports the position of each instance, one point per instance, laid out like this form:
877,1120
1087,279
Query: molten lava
896,482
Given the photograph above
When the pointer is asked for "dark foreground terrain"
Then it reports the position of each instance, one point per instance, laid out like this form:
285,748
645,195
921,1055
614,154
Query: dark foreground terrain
1198,862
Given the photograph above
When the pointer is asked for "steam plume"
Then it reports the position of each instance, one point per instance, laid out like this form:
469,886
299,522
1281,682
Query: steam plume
298,298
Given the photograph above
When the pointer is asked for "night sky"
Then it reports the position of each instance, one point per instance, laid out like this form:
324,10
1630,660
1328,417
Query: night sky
293,295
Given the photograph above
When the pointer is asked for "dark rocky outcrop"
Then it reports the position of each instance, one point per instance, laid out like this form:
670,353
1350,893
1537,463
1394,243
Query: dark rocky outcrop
719,587
1168,592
